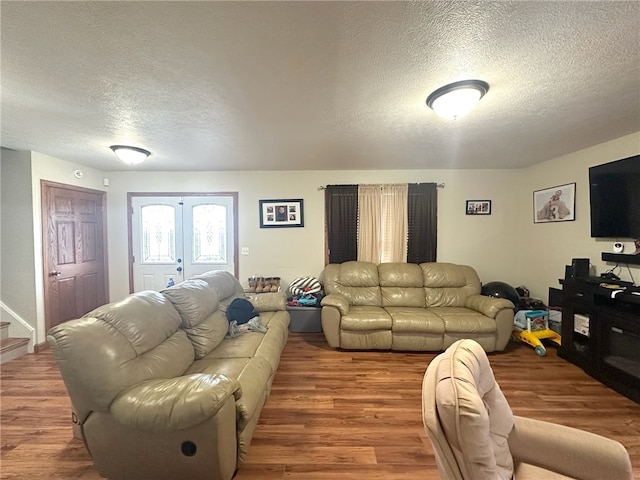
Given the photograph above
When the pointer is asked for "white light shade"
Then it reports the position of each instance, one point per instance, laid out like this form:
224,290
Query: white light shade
130,155
457,99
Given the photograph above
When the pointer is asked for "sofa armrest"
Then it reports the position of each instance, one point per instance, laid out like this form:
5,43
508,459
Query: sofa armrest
488,306
269,302
568,451
163,405
338,301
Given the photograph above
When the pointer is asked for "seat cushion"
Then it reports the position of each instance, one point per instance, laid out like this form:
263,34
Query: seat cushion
366,318
415,320
526,471
464,320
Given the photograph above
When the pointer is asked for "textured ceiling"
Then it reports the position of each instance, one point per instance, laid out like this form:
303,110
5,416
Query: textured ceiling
315,85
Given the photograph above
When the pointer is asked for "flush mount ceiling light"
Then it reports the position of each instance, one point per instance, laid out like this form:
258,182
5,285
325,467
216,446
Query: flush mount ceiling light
457,99
130,155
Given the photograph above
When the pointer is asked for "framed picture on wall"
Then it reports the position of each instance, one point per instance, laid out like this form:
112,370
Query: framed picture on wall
555,204
281,213
478,207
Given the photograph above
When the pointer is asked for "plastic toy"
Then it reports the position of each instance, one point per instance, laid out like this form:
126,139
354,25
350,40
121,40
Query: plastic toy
531,327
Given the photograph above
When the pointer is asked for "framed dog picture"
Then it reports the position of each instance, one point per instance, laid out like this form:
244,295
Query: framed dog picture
555,204
281,213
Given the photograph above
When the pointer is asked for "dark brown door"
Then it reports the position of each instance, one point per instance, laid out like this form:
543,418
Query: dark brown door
74,251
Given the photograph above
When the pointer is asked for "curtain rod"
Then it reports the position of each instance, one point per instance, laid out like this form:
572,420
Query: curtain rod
324,187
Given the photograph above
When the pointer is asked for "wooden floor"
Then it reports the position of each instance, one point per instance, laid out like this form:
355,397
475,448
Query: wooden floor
331,414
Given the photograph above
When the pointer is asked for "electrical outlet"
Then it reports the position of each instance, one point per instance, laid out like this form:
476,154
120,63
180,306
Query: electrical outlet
245,250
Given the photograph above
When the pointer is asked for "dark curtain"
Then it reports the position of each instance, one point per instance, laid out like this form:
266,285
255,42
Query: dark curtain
423,222
341,209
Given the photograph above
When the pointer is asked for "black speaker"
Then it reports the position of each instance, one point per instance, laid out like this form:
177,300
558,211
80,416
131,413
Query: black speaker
555,297
568,272
580,267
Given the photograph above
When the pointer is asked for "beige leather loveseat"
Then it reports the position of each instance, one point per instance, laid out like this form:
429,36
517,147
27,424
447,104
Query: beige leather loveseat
157,389
403,306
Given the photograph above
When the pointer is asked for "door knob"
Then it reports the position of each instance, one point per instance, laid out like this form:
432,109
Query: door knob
55,274
179,269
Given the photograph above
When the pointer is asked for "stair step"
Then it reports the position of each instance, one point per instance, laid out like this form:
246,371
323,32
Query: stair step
11,348
4,330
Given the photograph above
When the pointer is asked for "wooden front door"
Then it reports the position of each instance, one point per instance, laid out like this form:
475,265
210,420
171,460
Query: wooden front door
74,249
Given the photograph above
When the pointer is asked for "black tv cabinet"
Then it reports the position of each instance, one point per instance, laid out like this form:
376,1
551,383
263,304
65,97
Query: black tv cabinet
610,350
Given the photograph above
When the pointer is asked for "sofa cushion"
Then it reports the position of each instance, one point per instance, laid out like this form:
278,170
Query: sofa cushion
269,302
226,286
416,320
207,335
464,320
448,285
244,345
371,340
401,285
357,281
280,316
194,300
364,318
408,275
403,297
144,319
273,344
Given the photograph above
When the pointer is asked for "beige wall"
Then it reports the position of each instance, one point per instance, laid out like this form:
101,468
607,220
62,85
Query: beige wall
548,247
292,252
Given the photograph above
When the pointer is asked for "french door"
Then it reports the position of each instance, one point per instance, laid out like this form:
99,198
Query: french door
176,236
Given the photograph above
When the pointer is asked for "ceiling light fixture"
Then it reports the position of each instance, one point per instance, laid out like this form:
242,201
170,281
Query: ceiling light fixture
130,155
457,99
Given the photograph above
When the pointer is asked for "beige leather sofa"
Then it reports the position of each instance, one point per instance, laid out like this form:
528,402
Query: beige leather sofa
411,307
157,389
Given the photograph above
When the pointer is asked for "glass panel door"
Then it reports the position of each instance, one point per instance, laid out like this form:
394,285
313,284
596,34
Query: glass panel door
177,237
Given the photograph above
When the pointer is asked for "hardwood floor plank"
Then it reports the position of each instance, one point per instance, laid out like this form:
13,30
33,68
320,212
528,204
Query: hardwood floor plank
331,414
310,454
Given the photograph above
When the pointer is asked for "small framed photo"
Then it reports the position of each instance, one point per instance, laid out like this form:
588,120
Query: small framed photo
478,207
281,213
555,204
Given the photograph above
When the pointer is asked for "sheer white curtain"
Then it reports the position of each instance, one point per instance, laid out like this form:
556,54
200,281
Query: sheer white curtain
382,223
393,241
369,220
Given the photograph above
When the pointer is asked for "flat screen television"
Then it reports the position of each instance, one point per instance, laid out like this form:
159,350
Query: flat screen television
614,195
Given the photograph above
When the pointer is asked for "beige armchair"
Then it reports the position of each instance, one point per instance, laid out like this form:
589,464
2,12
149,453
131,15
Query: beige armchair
475,436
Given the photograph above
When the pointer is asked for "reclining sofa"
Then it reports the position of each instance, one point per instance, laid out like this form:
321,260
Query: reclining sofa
158,392
410,307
